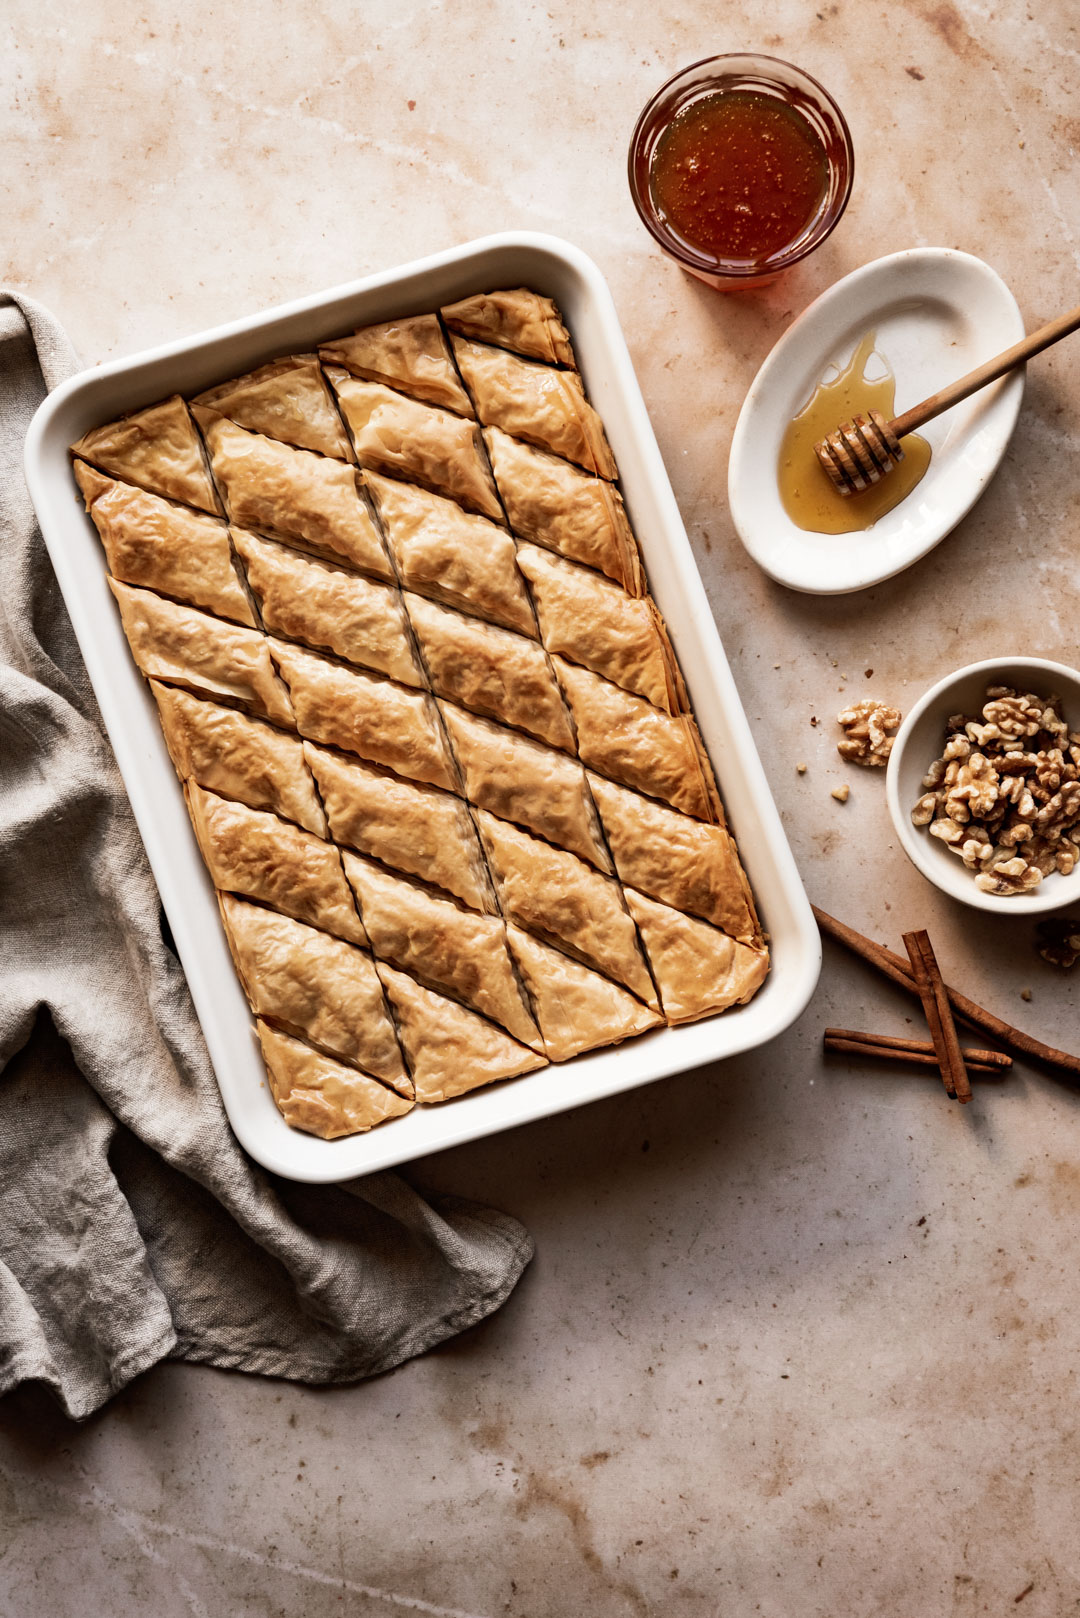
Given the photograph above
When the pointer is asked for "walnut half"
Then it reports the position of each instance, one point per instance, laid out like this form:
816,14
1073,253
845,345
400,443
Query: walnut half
870,728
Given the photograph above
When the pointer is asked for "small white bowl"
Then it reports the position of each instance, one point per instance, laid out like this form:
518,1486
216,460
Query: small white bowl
919,742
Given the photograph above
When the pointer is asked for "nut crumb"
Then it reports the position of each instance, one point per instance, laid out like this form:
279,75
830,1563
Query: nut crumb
1025,994
869,673
869,726
776,665
801,768
841,794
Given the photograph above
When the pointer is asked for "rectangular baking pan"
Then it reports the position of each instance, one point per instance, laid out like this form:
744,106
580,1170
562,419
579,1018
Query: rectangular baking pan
559,270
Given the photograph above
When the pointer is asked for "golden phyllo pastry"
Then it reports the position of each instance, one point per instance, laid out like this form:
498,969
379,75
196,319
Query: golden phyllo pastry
625,737
418,442
238,757
258,856
699,969
385,723
531,401
551,503
452,555
491,671
553,893
682,862
520,780
320,1095
329,607
178,644
411,828
166,547
310,500
410,355
450,1049
455,950
517,319
592,621
576,1008
158,449
434,740
287,400
318,986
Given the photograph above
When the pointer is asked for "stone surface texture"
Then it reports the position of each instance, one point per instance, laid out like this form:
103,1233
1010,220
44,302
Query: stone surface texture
801,1337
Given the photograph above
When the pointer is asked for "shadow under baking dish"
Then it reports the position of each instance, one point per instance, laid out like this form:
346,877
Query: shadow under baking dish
560,271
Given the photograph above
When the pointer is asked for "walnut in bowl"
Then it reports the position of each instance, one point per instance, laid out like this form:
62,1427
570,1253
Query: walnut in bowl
983,785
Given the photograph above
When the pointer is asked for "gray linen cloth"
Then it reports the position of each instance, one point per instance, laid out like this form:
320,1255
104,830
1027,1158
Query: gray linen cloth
132,1226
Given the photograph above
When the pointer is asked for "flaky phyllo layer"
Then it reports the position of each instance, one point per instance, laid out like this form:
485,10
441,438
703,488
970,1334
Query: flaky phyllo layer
433,736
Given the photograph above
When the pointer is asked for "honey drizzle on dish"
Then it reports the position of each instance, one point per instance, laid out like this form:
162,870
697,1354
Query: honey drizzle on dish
806,493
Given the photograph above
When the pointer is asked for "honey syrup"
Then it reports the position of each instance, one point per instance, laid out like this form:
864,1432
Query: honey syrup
739,175
806,492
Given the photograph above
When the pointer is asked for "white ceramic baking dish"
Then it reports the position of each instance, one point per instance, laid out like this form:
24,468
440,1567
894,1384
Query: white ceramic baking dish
562,272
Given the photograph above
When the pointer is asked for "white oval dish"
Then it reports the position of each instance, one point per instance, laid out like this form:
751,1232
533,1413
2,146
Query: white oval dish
937,314
918,743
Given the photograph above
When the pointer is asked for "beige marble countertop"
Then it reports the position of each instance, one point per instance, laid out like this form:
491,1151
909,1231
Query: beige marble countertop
799,1339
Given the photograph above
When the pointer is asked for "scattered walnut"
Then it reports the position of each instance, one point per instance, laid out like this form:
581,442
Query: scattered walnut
1005,793
869,727
842,793
1058,941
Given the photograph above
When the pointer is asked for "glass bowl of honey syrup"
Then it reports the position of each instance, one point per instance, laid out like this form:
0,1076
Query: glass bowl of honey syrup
740,166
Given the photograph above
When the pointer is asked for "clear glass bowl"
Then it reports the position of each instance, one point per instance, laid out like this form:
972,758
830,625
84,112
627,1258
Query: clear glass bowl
765,75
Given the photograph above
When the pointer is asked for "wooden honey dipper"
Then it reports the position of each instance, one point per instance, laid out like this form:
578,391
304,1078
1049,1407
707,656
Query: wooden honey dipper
862,451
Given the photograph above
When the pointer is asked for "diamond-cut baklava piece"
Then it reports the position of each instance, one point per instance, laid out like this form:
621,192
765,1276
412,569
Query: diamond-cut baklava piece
450,1049
456,951
158,449
594,622
576,1008
517,319
410,355
329,607
310,500
317,985
287,400
531,401
164,546
520,780
553,893
258,856
378,720
320,1095
421,443
552,503
699,969
178,644
490,671
411,828
453,555
238,757
684,863
625,737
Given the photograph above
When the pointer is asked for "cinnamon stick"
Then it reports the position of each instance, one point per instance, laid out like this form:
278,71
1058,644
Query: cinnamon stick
896,1045
854,1047
898,972
922,1059
939,1017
